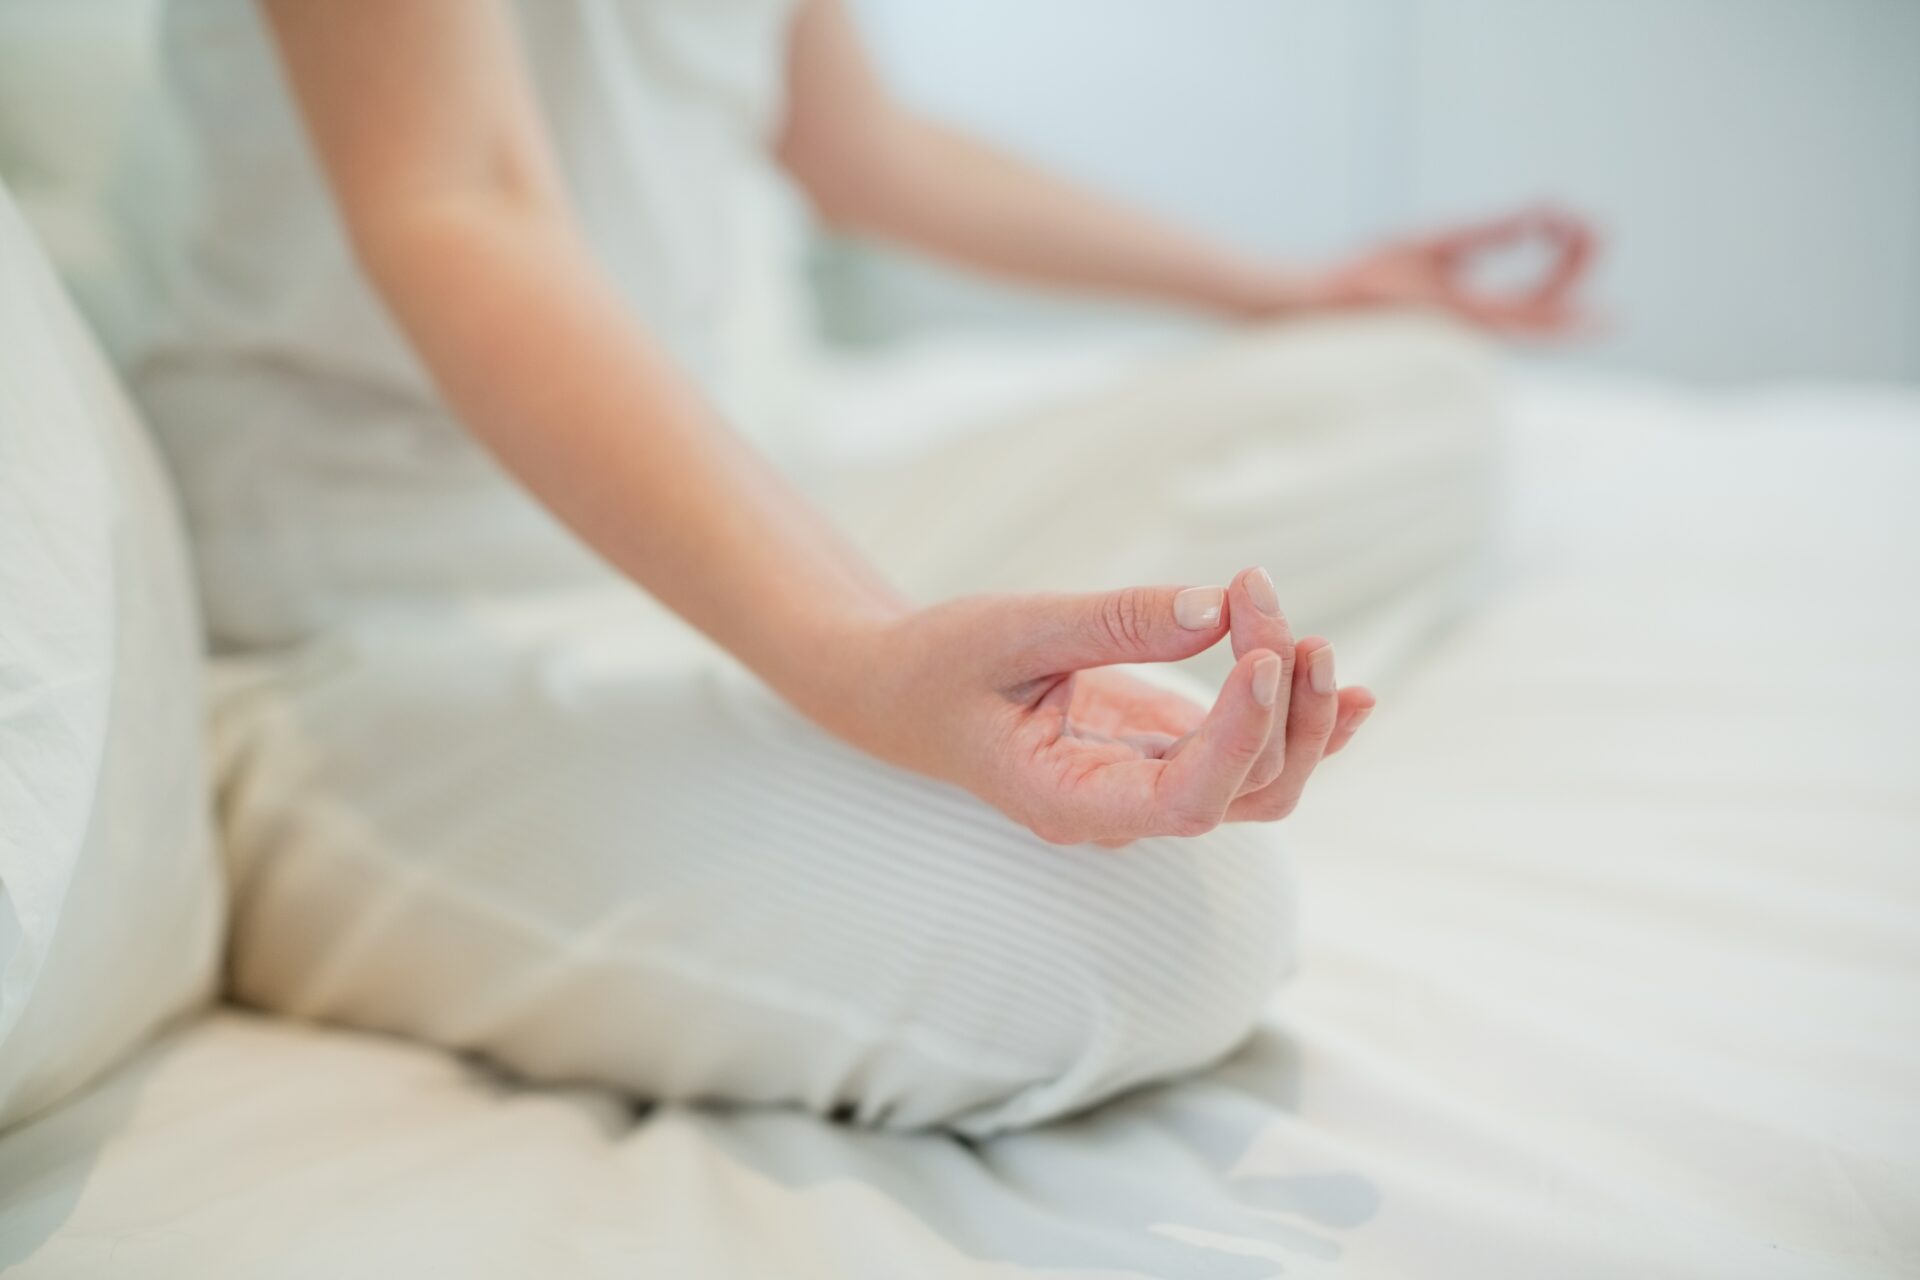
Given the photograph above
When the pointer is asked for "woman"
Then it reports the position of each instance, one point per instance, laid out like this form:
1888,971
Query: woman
824,845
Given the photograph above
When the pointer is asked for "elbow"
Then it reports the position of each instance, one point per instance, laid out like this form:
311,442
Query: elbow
400,238
835,189
401,242
404,218
844,207
850,178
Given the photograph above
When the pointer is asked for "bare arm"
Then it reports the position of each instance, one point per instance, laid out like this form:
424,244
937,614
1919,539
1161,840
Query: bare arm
873,166
423,116
424,119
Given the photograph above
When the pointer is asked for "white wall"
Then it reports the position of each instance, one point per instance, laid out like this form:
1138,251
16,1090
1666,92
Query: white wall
1755,162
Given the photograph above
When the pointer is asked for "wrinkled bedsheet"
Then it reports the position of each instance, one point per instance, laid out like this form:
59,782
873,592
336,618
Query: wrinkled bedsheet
1611,968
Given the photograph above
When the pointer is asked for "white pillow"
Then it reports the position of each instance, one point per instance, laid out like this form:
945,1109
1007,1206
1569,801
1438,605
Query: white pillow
111,901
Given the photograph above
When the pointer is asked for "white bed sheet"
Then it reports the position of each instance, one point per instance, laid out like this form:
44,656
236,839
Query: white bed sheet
1612,967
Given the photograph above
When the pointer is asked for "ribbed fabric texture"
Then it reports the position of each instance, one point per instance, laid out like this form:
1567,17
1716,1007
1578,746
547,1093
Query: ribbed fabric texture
558,829
640,873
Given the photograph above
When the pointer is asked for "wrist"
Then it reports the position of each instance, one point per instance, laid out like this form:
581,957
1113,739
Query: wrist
896,688
835,671
1257,291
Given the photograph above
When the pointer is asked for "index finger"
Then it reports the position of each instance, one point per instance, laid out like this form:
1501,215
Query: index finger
1187,794
1474,237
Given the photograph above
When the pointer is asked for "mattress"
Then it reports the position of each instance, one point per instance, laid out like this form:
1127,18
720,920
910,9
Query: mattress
1611,967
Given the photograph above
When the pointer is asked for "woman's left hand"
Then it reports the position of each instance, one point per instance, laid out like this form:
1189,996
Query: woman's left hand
1436,270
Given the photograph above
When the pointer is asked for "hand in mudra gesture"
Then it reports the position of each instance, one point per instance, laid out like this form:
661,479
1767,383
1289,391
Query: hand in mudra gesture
1439,270
1011,698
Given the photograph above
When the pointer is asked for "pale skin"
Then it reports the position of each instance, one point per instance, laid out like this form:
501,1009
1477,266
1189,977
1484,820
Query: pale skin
424,120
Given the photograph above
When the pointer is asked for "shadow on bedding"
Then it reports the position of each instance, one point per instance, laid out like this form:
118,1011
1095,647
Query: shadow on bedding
1166,1181
47,1161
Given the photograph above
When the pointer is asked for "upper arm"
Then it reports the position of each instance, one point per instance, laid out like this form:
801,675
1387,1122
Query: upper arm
412,103
840,121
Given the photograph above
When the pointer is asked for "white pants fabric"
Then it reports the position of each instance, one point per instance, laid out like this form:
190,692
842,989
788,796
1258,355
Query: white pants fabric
562,831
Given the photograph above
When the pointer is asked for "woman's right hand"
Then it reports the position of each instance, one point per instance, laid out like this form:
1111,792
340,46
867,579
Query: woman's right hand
1005,696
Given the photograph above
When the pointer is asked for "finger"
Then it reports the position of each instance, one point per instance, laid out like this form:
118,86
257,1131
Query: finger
1569,237
1255,622
1562,224
1541,306
1060,633
1184,793
1498,313
1523,316
1577,245
1473,238
1541,221
1354,706
1196,786
1309,726
1530,319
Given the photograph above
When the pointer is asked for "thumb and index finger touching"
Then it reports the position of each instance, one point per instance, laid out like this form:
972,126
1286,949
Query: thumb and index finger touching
1067,633
1236,748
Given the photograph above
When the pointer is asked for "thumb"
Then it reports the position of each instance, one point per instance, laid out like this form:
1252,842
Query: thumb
1063,633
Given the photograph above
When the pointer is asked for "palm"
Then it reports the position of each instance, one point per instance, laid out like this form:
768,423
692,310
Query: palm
1053,731
1106,716
1438,270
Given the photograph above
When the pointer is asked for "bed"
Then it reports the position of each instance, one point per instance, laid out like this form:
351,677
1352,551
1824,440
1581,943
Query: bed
1611,965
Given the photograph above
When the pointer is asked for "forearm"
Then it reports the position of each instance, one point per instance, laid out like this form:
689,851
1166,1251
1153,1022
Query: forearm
544,365
938,190
871,165
426,122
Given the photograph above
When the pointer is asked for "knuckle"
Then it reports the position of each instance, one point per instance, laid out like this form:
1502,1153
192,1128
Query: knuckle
1123,618
1187,823
1053,831
1243,749
1279,807
1264,771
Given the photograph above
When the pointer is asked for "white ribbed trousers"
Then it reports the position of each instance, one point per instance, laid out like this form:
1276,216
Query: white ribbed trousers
558,829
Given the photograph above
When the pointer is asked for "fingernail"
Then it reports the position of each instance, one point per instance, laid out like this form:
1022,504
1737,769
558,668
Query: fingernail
1260,591
1198,608
1320,670
1266,680
1355,720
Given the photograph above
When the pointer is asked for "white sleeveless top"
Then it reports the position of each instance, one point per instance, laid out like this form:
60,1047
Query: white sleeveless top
320,469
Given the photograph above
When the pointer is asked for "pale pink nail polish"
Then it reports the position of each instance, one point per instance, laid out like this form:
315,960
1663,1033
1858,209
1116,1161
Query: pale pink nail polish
1266,680
1260,591
1198,608
1320,670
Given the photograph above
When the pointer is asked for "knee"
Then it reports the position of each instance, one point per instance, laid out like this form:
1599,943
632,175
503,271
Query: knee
1376,360
1178,962
1160,961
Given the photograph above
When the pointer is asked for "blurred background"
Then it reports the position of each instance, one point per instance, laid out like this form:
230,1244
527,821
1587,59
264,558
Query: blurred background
1611,963
1755,163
